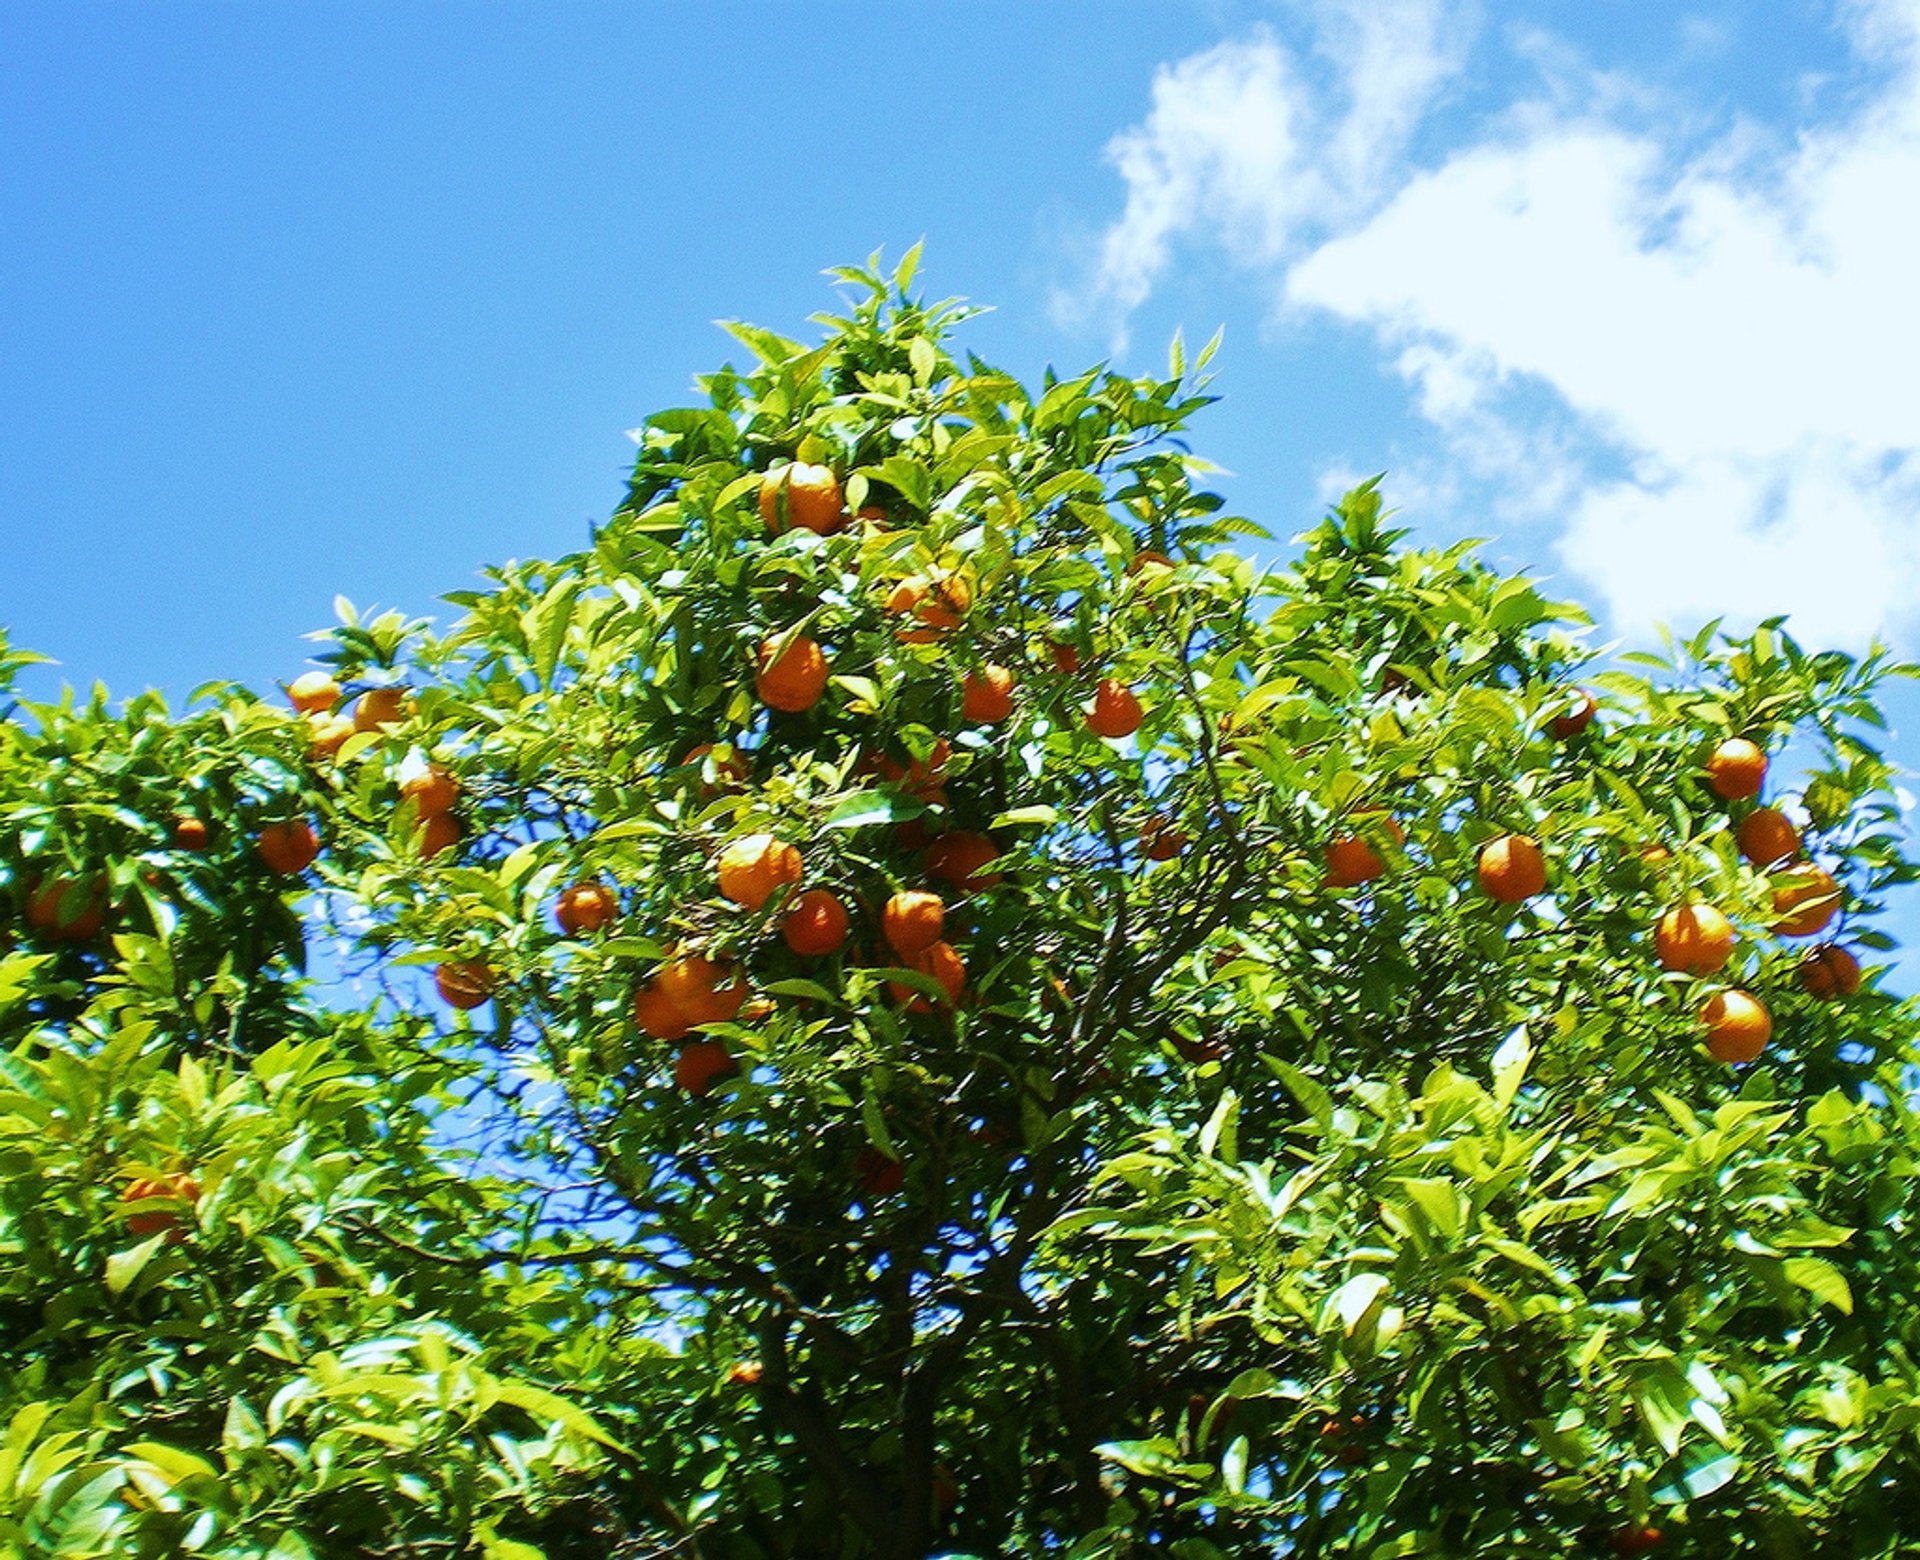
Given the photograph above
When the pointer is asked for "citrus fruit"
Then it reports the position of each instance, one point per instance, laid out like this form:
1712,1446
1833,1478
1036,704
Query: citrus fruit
986,696
1511,869
1806,899
877,1174
943,962
937,604
802,495
1695,938
1352,859
794,679
314,693
702,989
67,910
1160,839
1066,657
327,734
1574,720
188,832
957,859
1116,712
702,1064
288,847
1829,972
1766,835
912,921
586,907
465,984
815,925
1736,768
657,1015
755,867
379,708
178,1187
1738,1026
439,832
433,792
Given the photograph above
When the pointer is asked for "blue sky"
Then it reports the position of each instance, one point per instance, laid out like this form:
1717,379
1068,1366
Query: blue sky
354,298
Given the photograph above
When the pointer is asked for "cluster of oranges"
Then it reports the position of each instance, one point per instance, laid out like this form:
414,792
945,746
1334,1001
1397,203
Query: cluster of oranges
1694,938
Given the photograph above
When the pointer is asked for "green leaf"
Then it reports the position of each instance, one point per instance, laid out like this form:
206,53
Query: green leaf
123,1267
1821,1279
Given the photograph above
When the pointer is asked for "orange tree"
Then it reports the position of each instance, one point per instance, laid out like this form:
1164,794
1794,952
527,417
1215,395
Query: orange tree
1072,1042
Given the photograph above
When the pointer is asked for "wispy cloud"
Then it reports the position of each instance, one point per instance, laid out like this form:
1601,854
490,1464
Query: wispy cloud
1695,359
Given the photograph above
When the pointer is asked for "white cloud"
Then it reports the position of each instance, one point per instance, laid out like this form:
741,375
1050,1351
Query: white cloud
1240,143
1699,360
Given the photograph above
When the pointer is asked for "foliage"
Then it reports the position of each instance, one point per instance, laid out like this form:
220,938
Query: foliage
1239,1201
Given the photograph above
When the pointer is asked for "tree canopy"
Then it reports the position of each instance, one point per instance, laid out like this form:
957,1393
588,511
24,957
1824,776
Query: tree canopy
914,998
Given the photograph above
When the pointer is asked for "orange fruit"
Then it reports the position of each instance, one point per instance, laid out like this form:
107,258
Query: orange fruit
815,925
986,696
1806,900
1695,938
1066,658
586,907
1116,712
755,867
1829,972
439,832
327,734
434,792
464,985
1736,768
1576,719
1160,839
67,910
314,693
877,1174
921,776
379,708
912,921
289,847
936,604
794,680
1351,860
1511,869
1635,1539
658,1016
702,1064
189,832
746,1374
1738,1026
178,1187
1767,835
957,858
703,990
804,495
943,962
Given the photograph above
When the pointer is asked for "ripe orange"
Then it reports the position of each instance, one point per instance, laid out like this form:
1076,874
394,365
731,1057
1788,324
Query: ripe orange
804,495
1736,768
314,693
1806,900
189,832
794,680
936,604
586,907
1511,869
464,985
815,925
1738,1026
379,708
702,990
986,697
912,921
440,832
1066,657
921,776
657,1015
877,1174
289,847
1116,712
958,858
179,1187
701,1065
746,1374
1634,1539
434,792
755,867
1767,835
1161,840
1829,972
1576,719
1696,938
327,734
67,910
1351,860
943,962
